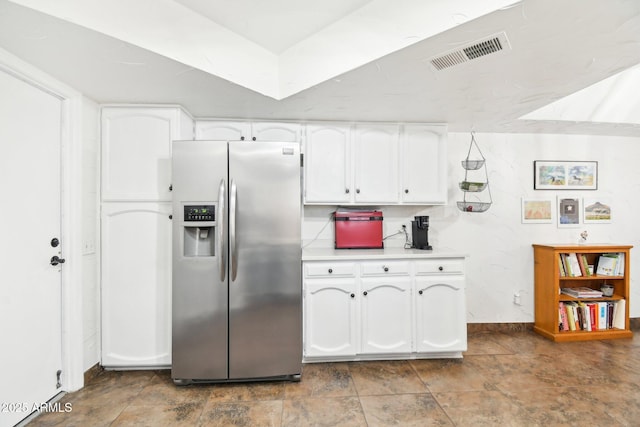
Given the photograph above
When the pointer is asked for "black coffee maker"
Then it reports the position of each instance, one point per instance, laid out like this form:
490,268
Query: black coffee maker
420,232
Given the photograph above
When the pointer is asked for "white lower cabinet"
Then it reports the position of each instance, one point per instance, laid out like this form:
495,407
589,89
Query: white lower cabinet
386,315
440,323
384,309
334,302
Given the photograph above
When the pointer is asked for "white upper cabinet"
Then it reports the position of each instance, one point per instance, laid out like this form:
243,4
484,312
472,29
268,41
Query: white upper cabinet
424,164
223,131
136,151
247,131
273,131
366,164
327,164
376,164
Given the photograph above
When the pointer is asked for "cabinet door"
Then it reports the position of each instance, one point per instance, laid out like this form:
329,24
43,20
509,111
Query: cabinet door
136,153
440,314
327,171
136,284
376,164
330,317
223,131
270,131
386,315
424,164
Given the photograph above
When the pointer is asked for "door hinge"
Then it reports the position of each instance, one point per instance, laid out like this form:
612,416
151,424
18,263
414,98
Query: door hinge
58,378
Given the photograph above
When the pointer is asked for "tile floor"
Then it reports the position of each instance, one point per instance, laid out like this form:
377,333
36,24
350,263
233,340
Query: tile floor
505,379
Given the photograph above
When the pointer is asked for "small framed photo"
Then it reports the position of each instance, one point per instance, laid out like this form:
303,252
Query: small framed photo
537,211
596,210
568,212
565,175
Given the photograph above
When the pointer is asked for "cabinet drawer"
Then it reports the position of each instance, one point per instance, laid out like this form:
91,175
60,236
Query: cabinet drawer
382,268
440,266
329,269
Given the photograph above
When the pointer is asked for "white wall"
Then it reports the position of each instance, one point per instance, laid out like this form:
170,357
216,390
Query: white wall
500,259
90,235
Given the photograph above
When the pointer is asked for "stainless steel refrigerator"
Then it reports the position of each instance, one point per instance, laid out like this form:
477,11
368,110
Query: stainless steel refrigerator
236,281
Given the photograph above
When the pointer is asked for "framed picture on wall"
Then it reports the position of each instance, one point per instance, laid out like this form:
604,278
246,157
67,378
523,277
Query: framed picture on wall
537,211
568,212
596,210
565,175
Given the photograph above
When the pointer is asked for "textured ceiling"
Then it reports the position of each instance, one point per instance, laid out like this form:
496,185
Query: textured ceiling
556,49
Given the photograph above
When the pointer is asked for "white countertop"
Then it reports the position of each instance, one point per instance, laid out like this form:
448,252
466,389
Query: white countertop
331,254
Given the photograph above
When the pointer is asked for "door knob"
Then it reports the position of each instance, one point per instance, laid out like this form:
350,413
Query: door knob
55,260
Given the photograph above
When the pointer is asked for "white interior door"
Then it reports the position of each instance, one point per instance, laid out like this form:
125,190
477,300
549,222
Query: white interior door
30,287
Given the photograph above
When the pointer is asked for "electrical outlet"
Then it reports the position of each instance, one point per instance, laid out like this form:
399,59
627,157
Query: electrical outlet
516,298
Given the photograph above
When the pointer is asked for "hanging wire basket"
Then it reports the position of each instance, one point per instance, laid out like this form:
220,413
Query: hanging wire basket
472,187
469,186
474,206
472,165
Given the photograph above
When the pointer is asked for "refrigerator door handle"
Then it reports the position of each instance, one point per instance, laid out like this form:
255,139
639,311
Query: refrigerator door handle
232,230
222,247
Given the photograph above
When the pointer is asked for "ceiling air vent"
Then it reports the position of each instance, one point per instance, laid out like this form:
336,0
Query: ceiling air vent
487,46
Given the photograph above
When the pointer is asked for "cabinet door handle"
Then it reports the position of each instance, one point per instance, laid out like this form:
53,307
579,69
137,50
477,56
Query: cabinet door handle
330,270
346,190
441,268
406,191
353,295
385,268
358,190
364,293
420,292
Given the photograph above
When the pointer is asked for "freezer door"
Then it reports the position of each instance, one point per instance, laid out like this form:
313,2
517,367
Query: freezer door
265,289
199,285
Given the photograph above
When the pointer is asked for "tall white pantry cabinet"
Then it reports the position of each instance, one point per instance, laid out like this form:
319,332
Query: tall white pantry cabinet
136,233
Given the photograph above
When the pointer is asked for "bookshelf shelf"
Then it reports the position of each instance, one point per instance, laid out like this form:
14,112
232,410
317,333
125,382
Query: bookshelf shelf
549,278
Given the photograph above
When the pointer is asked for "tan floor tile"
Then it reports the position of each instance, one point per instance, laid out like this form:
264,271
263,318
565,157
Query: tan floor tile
485,343
249,414
506,379
386,377
167,393
452,375
330,412
519,372
483,408
185,414
322,380
565,405
81,416
404,410
254,391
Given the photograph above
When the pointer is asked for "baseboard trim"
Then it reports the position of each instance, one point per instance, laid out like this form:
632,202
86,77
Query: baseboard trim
634,324
499,327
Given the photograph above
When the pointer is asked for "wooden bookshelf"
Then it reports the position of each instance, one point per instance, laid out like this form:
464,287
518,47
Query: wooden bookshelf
548,280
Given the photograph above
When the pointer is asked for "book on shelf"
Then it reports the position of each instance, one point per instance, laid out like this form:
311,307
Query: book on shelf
611,264
619,312
573,265
591,316
581,292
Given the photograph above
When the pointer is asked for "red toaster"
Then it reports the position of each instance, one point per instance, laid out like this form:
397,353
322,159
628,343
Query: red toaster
358,229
